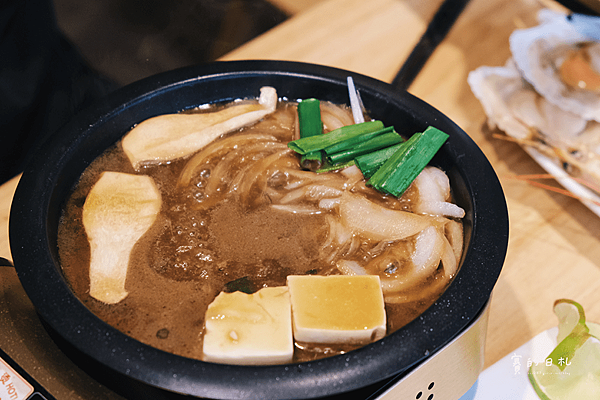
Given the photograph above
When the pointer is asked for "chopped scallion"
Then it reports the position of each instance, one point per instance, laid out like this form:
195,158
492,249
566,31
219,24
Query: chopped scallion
330,167
370,163
320,142
309,118
310,124
387,137
351,142
398,172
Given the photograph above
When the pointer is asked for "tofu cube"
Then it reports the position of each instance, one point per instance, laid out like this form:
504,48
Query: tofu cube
249,329
337,309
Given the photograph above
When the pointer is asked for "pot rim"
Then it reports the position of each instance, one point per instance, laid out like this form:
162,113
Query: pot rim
36,263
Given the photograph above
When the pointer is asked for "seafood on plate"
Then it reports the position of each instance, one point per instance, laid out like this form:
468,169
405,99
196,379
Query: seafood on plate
547,95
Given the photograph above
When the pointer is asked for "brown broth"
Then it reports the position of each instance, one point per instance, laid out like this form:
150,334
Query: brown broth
188,257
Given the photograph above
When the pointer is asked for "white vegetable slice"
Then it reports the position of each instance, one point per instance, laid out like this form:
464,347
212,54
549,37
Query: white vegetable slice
168,137
349,267
375,222
429,247
434,186
119,209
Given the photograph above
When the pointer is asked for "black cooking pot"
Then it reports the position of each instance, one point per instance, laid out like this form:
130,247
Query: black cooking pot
47,182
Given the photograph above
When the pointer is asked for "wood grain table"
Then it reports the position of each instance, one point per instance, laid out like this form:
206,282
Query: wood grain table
554,244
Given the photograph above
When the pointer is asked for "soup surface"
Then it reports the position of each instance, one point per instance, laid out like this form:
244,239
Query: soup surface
217,233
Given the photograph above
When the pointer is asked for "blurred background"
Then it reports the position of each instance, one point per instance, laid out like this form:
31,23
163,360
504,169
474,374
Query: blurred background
127,40
45,79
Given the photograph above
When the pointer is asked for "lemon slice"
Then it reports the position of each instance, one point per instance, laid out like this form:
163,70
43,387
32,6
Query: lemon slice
572,370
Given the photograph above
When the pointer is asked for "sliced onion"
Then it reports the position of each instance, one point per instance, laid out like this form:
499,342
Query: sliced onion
329,204
418,294
331,223
307,177
375,222
448,258
348,267
434,192
440,208
354,175
334,116
433,183
354,246
337,240
314,192
379,248
426,257
255,171
342,234
454,234
294,185
262,189
274,158
230,162
215,149
428,249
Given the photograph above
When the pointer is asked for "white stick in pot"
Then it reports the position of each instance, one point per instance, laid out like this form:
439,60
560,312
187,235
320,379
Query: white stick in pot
119,209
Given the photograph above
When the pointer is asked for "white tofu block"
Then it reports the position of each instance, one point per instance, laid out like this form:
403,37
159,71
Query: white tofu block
249,329
337,309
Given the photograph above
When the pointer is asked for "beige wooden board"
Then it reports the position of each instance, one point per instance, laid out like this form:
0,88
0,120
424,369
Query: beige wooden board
370,37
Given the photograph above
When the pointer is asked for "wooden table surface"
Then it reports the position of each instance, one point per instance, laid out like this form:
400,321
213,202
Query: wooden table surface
554,245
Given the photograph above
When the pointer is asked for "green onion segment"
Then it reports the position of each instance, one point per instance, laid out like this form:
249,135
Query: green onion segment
309,120
398,171
307,144
387,161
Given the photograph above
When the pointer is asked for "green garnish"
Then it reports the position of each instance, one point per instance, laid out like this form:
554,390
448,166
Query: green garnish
370,163
569,346
389,163
351,142
309,120
398,172
379,140
320,142
329,167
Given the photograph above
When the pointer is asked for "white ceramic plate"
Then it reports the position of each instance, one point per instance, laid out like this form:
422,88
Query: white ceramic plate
507,378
